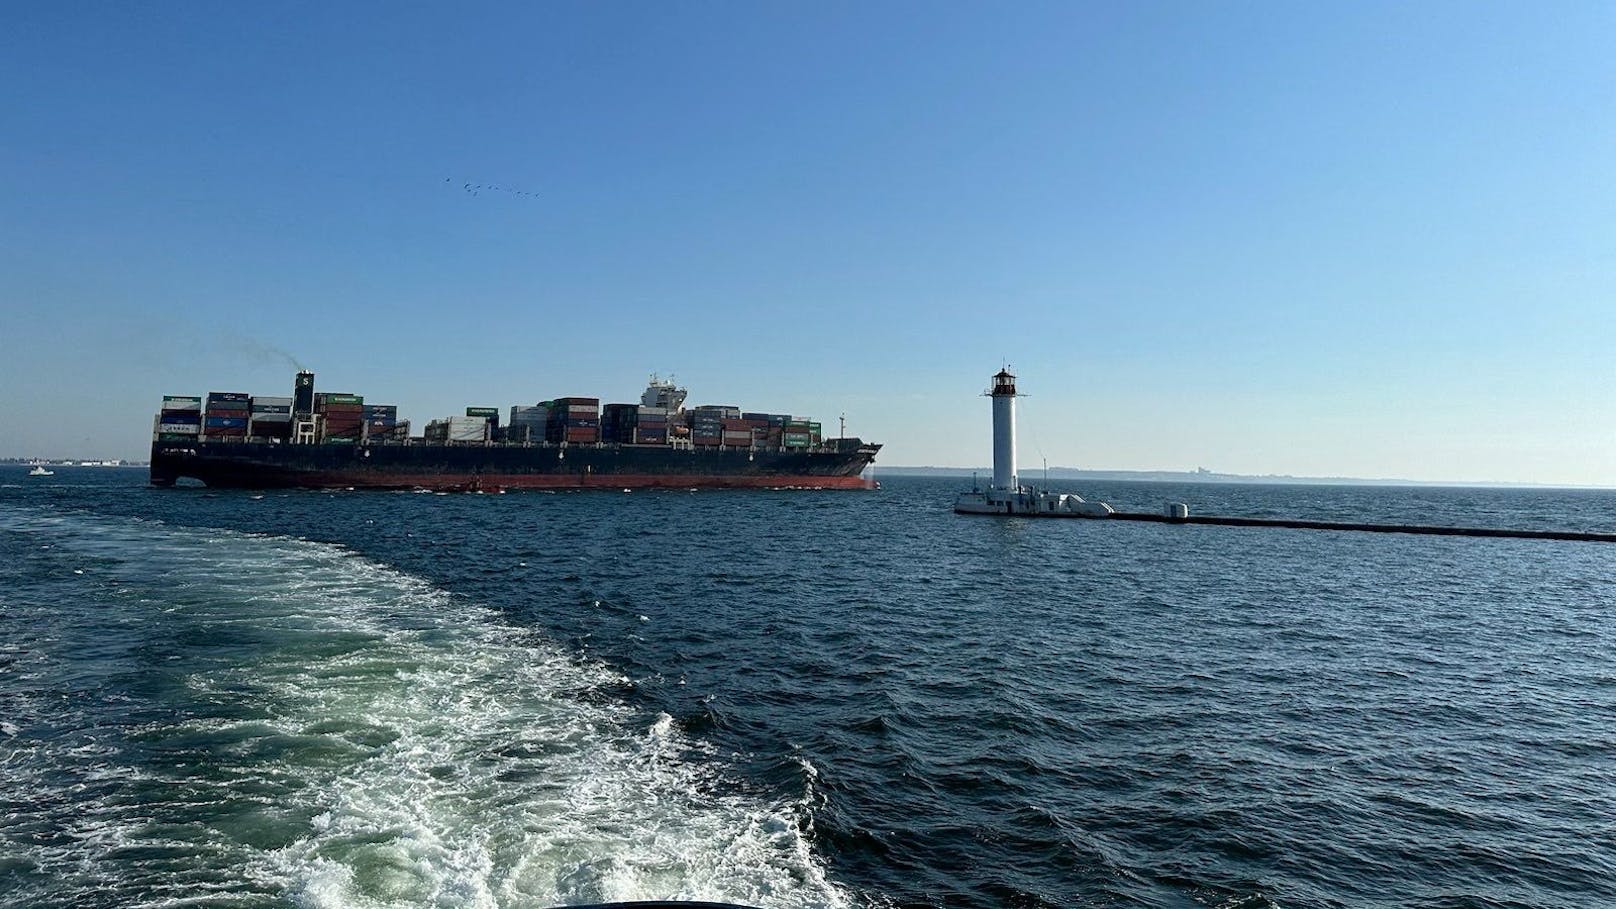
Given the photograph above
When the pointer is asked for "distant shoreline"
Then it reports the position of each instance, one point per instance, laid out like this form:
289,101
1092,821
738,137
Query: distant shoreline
1034,475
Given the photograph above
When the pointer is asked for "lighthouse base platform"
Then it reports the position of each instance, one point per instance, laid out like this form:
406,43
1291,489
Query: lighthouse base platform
1029,502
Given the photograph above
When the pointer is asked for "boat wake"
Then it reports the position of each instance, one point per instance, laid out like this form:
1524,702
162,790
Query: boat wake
277,719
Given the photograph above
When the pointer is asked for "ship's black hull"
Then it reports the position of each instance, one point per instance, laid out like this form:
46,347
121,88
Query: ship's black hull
263,465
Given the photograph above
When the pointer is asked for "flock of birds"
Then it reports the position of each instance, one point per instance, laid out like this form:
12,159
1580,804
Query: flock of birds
480,188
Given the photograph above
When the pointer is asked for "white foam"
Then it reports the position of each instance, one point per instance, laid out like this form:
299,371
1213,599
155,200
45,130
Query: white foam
446,758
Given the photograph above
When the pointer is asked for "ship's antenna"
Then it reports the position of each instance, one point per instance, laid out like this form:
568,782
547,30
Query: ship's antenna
844,425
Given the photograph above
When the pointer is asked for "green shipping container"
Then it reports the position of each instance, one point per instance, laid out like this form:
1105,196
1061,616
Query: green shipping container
341,399
482,411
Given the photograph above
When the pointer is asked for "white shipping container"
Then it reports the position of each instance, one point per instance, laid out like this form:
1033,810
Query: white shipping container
282,402
468,429
189,429
272,418
183,406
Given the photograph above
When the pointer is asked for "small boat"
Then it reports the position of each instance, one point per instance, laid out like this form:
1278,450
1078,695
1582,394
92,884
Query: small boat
40,471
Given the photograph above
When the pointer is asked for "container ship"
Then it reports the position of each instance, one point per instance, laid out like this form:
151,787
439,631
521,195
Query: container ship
323,440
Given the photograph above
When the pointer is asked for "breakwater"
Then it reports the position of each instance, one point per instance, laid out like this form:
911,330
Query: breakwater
1428,529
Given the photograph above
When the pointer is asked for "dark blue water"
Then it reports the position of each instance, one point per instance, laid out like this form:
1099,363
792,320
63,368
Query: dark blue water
799,699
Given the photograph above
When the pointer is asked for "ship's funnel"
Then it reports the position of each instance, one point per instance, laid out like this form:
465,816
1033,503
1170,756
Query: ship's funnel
303,396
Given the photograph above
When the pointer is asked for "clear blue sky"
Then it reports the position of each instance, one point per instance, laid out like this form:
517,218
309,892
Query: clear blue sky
1367,239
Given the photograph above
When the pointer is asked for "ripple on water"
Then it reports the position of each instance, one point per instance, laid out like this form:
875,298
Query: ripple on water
994,712
360,737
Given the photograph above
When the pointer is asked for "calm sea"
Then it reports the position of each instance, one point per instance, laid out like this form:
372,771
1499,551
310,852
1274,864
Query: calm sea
799,699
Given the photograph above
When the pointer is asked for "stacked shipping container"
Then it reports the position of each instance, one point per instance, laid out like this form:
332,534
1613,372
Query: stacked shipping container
226,415
469,428
766,428
651,425
617,423
381,421
458,429
707,423
180,420
799,434
528,422
271,418
575,421
344,416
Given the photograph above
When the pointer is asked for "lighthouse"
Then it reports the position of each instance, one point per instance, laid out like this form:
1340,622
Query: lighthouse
1007,496
1003,394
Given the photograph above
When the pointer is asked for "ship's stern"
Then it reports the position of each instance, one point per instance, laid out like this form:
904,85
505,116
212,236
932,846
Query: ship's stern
168,462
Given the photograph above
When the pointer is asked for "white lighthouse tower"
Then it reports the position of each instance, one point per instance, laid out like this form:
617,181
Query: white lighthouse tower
1007,496
1003,394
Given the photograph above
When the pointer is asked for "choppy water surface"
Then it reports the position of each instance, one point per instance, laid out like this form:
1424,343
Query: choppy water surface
798,699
